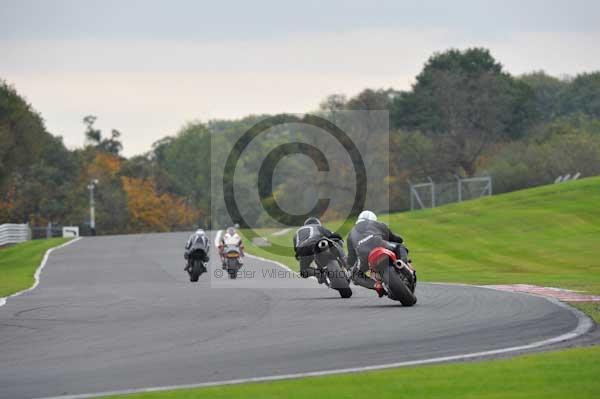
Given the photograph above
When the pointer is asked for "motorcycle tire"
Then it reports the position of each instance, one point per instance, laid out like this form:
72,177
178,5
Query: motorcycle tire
397,289
232,268
337,279
196,271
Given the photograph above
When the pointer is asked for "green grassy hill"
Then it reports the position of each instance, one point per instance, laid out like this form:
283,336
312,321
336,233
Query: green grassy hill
547,235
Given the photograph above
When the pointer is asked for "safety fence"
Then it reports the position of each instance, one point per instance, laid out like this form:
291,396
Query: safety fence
11,233
431,194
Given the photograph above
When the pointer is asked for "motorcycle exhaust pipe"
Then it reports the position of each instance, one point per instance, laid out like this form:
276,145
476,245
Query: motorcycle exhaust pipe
401,264
323,244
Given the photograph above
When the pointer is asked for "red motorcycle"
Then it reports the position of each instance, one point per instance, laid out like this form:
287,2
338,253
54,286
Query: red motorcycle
397,277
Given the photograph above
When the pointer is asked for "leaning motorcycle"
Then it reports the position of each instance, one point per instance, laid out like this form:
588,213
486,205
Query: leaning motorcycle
231,260
397,277
332,266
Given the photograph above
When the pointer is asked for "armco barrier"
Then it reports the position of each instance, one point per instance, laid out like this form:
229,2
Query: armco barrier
14,233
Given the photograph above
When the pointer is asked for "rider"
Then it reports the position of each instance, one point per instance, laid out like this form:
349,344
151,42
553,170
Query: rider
197,239
306,238
231,237
367,235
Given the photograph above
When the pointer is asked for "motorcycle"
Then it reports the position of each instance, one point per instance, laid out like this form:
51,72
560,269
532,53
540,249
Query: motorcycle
197,258
397,277
332,267
231,260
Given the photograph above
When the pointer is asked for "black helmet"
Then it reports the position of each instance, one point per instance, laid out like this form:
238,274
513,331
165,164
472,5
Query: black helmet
312,220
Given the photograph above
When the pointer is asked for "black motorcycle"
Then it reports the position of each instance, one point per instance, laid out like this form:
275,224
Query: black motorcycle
331,268
197,258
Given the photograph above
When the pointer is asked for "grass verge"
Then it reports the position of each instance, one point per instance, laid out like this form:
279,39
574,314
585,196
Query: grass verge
19,262
592,309
546,236
562,374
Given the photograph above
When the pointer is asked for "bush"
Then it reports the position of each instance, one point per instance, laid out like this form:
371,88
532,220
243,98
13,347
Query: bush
526,164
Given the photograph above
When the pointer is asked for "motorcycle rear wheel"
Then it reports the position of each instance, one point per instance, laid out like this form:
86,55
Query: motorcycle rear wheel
337,279
397,289
197,269
232,268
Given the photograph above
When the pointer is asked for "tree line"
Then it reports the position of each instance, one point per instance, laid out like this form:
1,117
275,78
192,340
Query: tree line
465,115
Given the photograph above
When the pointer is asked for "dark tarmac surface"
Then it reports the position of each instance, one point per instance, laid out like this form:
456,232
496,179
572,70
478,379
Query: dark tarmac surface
119,312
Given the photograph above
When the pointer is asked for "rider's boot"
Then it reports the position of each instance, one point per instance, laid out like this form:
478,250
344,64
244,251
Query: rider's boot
379,289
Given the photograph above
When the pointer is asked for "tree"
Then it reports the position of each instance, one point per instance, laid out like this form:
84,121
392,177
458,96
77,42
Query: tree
111,145
23,135
370,100
466,102
583,95
186,160
36,170
523,164
333,103
93,135
152,211
547,91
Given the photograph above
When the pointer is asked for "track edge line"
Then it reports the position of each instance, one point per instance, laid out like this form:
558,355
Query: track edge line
38,271
584,325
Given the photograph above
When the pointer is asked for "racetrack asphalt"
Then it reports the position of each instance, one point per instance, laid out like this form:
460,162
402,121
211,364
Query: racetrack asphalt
118,312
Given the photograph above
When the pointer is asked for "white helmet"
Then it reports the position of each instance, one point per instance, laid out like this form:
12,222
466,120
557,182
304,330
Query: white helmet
366,215
200,231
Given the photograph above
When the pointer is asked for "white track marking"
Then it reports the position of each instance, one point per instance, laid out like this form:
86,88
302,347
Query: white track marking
274,262
280,265
258,257
38,271
584,325
218,237
281,232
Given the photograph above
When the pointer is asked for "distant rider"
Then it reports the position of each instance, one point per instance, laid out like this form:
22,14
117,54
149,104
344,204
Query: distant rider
231,237
197,240
306,238
366,235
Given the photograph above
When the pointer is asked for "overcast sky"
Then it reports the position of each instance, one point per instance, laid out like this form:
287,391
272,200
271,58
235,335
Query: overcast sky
147,67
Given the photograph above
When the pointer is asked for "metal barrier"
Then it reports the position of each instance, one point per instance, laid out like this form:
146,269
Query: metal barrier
432,194
11,233
567,177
